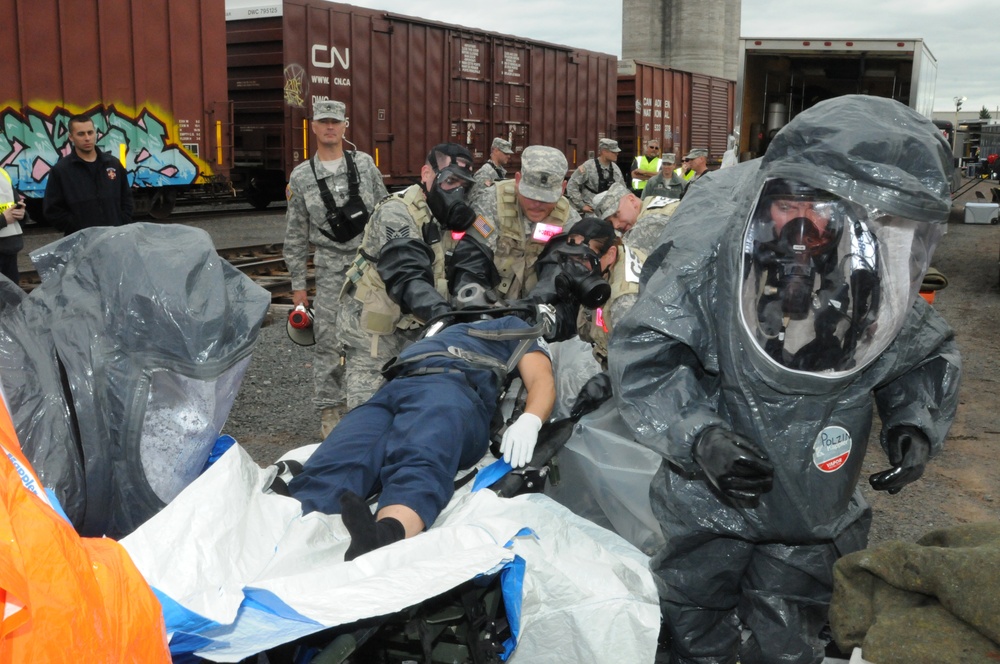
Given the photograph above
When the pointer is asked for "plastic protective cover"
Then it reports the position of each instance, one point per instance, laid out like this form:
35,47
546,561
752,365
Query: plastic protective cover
121,367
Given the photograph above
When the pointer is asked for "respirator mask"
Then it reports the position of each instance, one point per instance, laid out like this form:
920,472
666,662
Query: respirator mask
453,178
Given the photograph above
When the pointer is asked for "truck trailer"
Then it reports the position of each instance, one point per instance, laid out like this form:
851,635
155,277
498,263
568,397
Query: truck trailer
779,78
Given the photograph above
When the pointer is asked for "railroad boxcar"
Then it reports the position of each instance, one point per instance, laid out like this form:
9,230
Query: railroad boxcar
150,73
408,84
682,109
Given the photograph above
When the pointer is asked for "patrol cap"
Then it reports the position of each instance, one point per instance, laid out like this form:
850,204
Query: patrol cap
502,145
606,203
593,228
329,110
542,172
453,158
608,144
669,157
695,153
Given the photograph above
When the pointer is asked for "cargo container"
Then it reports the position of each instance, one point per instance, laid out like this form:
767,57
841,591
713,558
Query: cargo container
408,84
779,78
150,73
681,109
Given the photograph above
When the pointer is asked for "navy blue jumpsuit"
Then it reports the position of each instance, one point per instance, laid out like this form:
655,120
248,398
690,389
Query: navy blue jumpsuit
416,432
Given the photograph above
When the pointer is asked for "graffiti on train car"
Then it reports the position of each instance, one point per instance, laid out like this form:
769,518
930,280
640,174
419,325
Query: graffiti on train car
33,140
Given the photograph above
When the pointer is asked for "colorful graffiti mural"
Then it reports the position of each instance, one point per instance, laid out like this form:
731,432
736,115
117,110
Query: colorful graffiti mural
32,141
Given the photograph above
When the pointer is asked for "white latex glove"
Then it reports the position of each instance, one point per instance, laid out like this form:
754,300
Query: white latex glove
519,440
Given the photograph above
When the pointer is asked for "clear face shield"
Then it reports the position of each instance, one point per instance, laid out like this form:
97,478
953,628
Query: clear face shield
182,419
827,284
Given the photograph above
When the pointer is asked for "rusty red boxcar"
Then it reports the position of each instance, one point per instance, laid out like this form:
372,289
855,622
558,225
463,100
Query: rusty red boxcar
681,109
408,84
150,73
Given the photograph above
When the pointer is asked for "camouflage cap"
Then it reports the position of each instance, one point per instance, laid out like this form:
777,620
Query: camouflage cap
543,170
329,110
669,158
608,144
502,145
606,203
695,153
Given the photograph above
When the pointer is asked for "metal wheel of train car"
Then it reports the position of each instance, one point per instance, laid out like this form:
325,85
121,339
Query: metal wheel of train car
257,195
162,204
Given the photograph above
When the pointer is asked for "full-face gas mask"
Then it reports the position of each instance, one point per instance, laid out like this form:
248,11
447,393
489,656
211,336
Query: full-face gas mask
574,272
453,178
827,283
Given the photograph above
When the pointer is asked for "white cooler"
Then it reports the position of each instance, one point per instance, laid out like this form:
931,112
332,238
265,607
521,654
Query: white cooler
981,213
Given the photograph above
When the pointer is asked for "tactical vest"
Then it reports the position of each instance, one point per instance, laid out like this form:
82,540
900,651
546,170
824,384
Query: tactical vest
516,253
593,326
645,164
380,315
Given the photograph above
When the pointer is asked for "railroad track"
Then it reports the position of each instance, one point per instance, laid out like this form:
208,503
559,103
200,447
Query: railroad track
263,263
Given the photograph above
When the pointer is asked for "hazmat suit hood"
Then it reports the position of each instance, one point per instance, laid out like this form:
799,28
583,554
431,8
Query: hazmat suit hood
819,305
122,365
686,358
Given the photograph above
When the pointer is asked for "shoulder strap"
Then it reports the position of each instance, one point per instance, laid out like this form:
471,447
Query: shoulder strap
324,191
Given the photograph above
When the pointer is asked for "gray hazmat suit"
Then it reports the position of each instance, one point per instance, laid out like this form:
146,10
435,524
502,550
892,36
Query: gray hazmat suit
689,356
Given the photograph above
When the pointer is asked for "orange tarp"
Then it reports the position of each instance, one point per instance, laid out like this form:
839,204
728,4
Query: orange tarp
65,597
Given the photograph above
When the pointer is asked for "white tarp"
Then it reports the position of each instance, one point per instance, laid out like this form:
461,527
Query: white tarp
247,571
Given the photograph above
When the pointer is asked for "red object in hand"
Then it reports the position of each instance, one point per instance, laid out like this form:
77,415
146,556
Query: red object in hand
300,318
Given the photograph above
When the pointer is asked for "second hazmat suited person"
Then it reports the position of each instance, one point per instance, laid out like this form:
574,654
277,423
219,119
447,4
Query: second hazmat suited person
779,310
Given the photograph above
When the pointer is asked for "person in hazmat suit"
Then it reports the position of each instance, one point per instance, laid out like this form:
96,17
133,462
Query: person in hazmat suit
781,303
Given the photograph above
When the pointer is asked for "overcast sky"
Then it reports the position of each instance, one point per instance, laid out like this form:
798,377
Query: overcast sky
966,42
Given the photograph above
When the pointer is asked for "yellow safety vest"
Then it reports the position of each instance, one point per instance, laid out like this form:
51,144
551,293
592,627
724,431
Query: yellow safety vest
645,164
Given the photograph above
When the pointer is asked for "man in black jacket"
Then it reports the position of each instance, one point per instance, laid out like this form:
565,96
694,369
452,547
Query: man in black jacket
87,187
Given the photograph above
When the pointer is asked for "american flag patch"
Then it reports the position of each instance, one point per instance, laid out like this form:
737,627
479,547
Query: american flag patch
483,227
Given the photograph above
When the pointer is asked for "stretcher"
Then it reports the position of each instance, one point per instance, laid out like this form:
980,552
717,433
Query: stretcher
240,571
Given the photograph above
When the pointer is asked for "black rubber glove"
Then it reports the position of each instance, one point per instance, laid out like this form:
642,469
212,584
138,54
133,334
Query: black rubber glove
471,262
406,266
909,449
734,465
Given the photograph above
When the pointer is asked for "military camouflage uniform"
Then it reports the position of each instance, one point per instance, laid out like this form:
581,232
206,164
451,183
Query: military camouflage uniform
508,233
584,183
305,213
596,325
653,216
372,326
489,173
672,187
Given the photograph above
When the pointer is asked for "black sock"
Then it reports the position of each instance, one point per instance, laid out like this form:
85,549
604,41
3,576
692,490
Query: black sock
367,534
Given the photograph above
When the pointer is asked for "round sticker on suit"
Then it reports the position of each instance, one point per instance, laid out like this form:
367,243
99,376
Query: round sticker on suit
831,449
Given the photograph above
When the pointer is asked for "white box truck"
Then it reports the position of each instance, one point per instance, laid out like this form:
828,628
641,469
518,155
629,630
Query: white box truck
779,78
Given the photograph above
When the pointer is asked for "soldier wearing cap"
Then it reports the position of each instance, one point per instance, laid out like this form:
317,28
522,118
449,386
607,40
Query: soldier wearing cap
399,278
519,216
698,162
639,221
332,181
495,168
594,176
665,183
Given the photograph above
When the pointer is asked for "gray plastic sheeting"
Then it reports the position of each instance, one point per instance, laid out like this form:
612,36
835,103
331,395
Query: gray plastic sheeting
129,325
